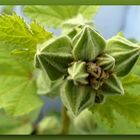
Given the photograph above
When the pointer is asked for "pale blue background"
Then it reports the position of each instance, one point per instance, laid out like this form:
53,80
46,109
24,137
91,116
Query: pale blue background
112,19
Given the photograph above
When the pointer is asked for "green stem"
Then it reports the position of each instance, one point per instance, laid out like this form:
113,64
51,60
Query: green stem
65,121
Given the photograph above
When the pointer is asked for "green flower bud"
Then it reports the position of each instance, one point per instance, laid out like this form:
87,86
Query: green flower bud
49,125
88,44
107,62
125,53
99,98
112,86
54,56
77,73
76,98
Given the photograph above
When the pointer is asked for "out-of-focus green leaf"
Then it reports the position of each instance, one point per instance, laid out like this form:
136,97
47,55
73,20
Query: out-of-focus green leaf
18,87
79,20
17,125
8,9
85,123
127,105
131,80
54,16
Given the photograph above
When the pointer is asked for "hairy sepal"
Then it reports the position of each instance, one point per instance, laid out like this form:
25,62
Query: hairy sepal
125,53
54,56
112,86
47,87
88,44
76,98
107,62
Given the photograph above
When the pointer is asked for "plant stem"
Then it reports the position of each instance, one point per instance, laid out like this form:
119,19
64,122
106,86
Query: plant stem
65,121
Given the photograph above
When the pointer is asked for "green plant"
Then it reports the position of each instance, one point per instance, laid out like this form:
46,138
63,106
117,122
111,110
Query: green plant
80,66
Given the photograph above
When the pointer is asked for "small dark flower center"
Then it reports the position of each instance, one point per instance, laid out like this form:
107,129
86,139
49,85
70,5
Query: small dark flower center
97,75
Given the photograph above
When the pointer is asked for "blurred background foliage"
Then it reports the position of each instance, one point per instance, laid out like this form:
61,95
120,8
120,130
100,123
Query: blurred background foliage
109,20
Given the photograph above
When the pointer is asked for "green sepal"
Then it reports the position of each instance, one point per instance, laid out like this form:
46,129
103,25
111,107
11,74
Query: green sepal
125,53
77,73
107,62
112,86
47,87
88,44
76,98
54,56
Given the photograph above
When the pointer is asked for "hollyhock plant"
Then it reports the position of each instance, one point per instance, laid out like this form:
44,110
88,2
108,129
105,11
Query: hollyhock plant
89,66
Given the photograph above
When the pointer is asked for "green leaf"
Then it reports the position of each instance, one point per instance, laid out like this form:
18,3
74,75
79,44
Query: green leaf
18,87
72,26
54,16
131,84
17,125
131,80
112,86
54,56
39,33
76,98
88,44
125,53
8,9
15,31
85,122
127,105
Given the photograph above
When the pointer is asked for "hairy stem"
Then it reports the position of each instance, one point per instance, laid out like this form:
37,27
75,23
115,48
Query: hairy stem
65,121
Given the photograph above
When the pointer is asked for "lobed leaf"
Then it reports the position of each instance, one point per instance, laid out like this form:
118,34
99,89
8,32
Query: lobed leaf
8,9
85,122
131,80
18,87
15,31
54,16
127,105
